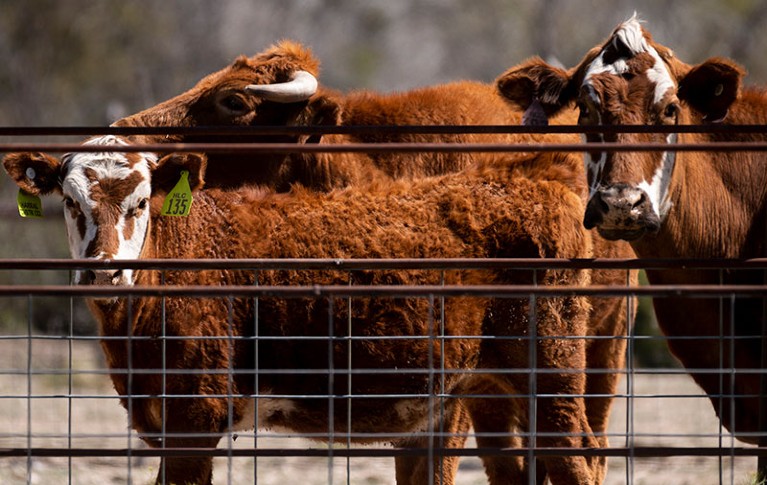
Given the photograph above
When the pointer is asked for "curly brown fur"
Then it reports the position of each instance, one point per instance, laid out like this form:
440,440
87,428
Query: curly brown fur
450,216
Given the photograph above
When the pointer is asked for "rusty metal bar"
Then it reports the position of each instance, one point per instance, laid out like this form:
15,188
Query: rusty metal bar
287,148
389,291
38,264
371,129
639,452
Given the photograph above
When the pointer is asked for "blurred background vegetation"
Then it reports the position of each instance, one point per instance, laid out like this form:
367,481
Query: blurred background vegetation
89,62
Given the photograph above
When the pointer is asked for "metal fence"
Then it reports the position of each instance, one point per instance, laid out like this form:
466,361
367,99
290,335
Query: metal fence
62,421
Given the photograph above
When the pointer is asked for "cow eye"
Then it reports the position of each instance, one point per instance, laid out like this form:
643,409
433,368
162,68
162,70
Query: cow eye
71,206
585,113
138,209
671,111
234,103
69,203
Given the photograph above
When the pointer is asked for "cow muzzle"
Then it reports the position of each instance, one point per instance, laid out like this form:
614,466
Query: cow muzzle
101,277
621,212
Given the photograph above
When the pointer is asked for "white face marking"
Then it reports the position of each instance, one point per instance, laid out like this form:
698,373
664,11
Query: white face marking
83,173
594,167
598,66
657,188
660,76
630,34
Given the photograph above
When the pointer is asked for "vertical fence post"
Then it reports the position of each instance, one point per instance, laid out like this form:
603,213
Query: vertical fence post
761,467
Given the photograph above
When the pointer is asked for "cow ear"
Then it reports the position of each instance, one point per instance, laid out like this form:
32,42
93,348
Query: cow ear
538,88
710,88
35,173
322,110
167,171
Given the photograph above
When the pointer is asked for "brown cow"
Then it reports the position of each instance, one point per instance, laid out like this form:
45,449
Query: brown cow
255,92
278,87
520,209
674,205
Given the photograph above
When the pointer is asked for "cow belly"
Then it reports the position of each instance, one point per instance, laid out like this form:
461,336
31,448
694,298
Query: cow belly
385,417
262,411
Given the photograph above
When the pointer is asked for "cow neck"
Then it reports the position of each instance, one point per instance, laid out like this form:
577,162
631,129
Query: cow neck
114,316
718,207
172,112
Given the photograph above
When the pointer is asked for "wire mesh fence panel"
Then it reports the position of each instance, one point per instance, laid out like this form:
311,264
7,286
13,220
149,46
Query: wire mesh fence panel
374,370
63,421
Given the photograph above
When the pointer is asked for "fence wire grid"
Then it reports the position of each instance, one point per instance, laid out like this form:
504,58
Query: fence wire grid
61,420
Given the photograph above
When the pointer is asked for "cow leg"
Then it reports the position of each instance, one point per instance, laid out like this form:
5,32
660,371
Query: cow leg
604,355
495,422
187,470
414,470
196,470
494,419
561,420
191,423
609,322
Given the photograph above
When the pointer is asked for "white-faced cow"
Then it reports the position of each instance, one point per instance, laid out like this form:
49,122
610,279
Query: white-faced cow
278,87
524,208
674,204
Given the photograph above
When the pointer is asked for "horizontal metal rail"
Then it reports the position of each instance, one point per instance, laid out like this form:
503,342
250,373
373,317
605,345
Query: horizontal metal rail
287,148
390,291
396,291
636,452
371,129
38,264
364,371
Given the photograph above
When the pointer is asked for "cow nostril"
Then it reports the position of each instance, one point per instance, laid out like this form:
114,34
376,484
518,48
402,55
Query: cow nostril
116,276
640,201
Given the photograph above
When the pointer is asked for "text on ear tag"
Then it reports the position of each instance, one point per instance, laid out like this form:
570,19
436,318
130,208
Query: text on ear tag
29,205
178,202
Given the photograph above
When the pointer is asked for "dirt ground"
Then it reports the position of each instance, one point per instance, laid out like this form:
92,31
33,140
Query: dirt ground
666,410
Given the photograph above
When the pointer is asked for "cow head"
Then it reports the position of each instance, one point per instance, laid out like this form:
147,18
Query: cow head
629,80
106,198
277,87
274,88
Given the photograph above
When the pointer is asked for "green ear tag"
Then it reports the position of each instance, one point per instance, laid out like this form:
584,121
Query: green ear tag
29,205
178,202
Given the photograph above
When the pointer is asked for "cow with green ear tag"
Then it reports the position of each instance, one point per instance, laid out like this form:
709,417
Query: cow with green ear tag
106,198
192,369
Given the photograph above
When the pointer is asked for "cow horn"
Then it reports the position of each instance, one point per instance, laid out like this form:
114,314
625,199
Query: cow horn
300,87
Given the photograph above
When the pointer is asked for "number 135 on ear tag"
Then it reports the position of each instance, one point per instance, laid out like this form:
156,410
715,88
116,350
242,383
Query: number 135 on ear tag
178,202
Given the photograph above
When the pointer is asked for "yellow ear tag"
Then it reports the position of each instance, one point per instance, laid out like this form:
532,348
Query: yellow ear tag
29,205
178,202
